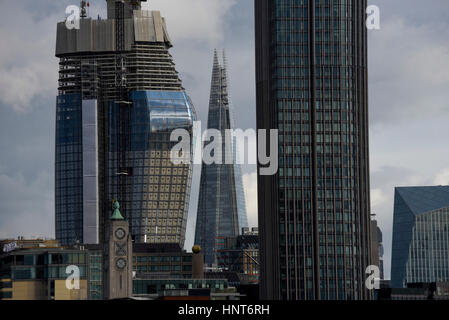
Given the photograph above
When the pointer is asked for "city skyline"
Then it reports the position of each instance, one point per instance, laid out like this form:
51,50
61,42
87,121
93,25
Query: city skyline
409,52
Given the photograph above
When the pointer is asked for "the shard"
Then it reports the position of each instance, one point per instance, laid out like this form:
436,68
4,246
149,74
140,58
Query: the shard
221,207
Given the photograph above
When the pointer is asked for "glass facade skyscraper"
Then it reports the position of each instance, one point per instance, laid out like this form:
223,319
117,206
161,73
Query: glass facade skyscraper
69,169
221,207
311,85
119,99
420,251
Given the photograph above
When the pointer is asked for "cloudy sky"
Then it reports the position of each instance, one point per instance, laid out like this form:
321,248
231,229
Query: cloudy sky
409,97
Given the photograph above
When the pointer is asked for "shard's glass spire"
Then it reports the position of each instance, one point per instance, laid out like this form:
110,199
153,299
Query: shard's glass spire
221,206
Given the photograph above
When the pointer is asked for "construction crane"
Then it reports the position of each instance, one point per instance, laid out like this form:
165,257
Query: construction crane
123,118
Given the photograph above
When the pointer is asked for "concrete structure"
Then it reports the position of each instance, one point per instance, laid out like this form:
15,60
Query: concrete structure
119,98
198,263
221,205
420,248
311,85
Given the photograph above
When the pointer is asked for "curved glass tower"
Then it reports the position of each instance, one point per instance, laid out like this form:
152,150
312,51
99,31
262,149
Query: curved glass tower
311,85
120,97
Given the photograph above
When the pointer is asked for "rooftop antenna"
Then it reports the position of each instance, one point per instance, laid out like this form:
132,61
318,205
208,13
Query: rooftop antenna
83,13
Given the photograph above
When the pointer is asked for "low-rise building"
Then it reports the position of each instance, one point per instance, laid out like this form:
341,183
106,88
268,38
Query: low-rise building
184,289
240,255
417,291
41,273
37,270
162,260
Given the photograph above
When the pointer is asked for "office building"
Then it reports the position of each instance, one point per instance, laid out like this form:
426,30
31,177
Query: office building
8,245
420,249
240,255
417,291
184,289
119,98
115,270
166,272
40,273
312,86
164,260
221,205
377,248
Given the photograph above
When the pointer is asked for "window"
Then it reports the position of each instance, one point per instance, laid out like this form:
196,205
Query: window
5,295
187,259
25,274
187,268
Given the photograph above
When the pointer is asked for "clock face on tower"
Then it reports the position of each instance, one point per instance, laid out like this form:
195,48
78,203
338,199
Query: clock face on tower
120,263
120,249
120,233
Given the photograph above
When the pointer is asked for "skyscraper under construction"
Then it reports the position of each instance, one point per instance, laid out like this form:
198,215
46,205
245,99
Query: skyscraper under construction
221,207
119,98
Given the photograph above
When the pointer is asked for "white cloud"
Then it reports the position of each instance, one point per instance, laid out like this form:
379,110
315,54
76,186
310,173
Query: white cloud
442,177
29,68
27,206
194,20
409,71
250,187
378,197
27,63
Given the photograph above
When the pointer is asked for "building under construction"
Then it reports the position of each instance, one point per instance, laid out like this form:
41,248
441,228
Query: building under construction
119,98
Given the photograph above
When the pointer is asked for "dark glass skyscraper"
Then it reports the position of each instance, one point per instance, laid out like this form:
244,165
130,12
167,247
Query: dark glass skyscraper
221,207
119,99
311,84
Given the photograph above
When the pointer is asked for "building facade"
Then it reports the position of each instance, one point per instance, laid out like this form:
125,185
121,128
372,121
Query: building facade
240,255
420,249
311,85
185,289
38,269
119,99
221,205
167,260
377,248
41,273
